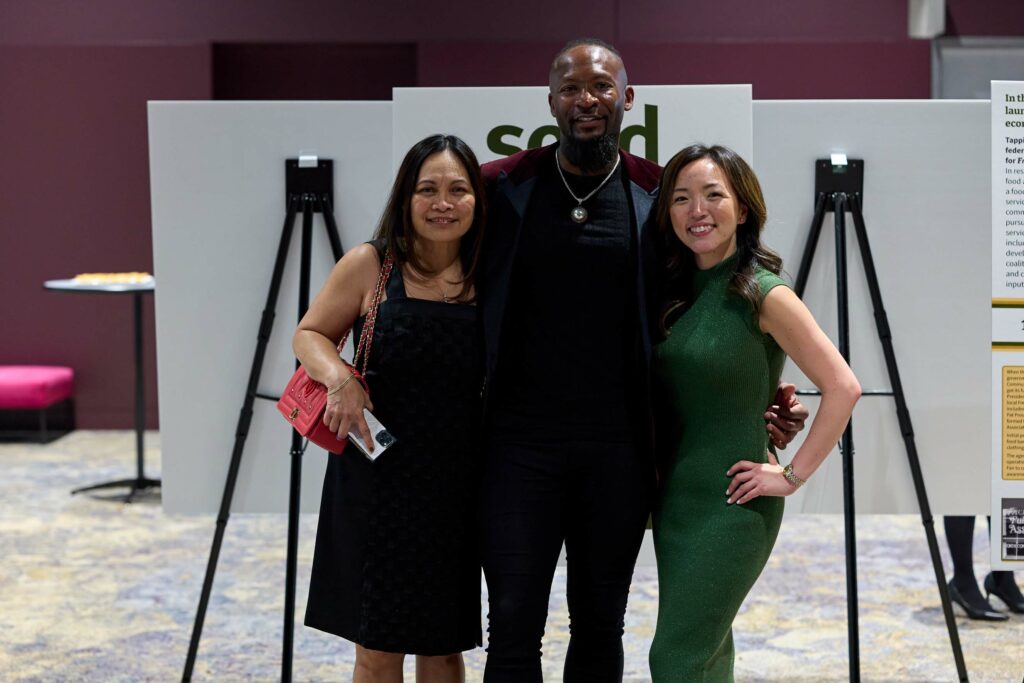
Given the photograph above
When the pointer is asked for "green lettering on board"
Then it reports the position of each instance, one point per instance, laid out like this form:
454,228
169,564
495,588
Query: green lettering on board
648,131
496,142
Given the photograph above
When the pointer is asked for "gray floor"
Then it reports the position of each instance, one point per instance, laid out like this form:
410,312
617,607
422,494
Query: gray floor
94,590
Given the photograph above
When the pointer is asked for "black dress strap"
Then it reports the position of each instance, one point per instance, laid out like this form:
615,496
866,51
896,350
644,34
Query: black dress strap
396,284
380,246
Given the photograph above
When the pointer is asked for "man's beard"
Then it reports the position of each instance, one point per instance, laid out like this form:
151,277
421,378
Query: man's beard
590,156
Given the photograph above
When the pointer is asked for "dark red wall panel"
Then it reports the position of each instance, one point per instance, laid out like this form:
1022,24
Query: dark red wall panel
75,198
899,69
311,71
105,22
325,21
779,21
468,64
994,18
896,70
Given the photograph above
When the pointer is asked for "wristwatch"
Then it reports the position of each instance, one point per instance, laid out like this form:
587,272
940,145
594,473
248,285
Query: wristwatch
796,481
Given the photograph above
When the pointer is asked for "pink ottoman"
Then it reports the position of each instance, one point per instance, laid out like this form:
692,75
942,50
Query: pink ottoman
39,395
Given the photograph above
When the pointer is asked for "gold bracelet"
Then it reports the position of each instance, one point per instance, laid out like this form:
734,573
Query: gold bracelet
332,392
791,477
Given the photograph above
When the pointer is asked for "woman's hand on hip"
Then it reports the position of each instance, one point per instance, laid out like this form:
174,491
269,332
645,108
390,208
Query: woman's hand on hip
752,479
344,412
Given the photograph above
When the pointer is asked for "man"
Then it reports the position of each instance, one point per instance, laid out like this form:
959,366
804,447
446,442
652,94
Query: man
565,310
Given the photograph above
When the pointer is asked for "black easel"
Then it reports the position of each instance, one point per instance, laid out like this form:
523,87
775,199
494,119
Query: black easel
312,188
839,188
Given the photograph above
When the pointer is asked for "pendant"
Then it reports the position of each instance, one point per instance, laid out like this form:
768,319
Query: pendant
578,214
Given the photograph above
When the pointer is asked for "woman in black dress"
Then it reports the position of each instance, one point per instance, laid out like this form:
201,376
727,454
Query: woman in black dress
395,569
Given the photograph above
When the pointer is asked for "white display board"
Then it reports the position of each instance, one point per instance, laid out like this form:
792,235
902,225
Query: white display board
217,175
496,122
926,192
1007,198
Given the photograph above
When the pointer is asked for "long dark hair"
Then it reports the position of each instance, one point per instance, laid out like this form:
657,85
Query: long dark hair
395,226
677,262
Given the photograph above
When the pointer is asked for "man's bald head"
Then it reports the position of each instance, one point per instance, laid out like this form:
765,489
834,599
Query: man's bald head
562,56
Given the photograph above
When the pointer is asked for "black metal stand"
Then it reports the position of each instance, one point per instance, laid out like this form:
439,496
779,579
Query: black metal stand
312,188
839,189
141,482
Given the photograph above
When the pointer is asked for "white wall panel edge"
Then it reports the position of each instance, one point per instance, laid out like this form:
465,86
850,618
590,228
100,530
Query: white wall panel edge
217,179
926,177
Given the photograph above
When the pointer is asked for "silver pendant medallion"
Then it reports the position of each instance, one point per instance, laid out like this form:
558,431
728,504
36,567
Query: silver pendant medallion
579,214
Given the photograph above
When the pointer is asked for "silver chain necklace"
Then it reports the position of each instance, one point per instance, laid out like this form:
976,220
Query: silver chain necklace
579,214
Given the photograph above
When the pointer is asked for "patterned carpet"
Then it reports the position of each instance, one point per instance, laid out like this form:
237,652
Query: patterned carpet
95,590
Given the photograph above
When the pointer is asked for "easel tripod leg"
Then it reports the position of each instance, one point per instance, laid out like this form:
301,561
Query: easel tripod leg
811,245
241,433
849,512
907,430
295,476
332,228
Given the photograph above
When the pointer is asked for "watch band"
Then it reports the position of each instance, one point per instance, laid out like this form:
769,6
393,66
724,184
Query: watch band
796,481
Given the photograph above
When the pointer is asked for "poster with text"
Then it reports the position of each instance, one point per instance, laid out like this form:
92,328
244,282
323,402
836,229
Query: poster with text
1007,542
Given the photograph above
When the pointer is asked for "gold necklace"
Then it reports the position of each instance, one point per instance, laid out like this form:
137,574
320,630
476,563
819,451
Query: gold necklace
432,284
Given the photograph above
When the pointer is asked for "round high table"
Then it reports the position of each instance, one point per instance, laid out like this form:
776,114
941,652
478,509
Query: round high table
137,290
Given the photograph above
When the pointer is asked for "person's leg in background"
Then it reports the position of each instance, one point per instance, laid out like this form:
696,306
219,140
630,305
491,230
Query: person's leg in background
963,587
1002,586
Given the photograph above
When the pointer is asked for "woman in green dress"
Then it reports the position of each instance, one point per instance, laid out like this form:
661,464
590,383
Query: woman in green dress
729,321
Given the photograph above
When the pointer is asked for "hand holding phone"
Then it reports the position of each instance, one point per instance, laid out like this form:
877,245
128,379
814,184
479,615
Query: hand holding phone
382,438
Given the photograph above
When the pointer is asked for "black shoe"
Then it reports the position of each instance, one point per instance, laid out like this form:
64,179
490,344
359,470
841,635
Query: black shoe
982,611
1010,595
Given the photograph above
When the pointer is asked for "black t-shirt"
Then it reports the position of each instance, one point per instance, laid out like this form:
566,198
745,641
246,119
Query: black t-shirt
568,349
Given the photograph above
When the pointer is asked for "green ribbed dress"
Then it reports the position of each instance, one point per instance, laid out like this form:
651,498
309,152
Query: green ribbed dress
713,378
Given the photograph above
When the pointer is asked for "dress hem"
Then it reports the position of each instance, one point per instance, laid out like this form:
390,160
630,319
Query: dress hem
370,645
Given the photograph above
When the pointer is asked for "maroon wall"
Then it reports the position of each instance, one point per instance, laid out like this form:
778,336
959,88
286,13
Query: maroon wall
75,76
74,174
805,70
311,21
105,22
797,70
288,71
993,18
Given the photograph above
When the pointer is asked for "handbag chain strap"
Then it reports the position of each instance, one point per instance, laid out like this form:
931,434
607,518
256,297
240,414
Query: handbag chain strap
366,336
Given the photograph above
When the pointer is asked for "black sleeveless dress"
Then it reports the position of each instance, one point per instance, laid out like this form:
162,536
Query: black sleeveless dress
395,567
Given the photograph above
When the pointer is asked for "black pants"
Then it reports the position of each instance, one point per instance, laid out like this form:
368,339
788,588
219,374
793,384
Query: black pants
595,497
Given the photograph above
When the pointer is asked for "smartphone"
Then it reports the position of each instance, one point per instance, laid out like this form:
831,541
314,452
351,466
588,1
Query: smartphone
383,439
